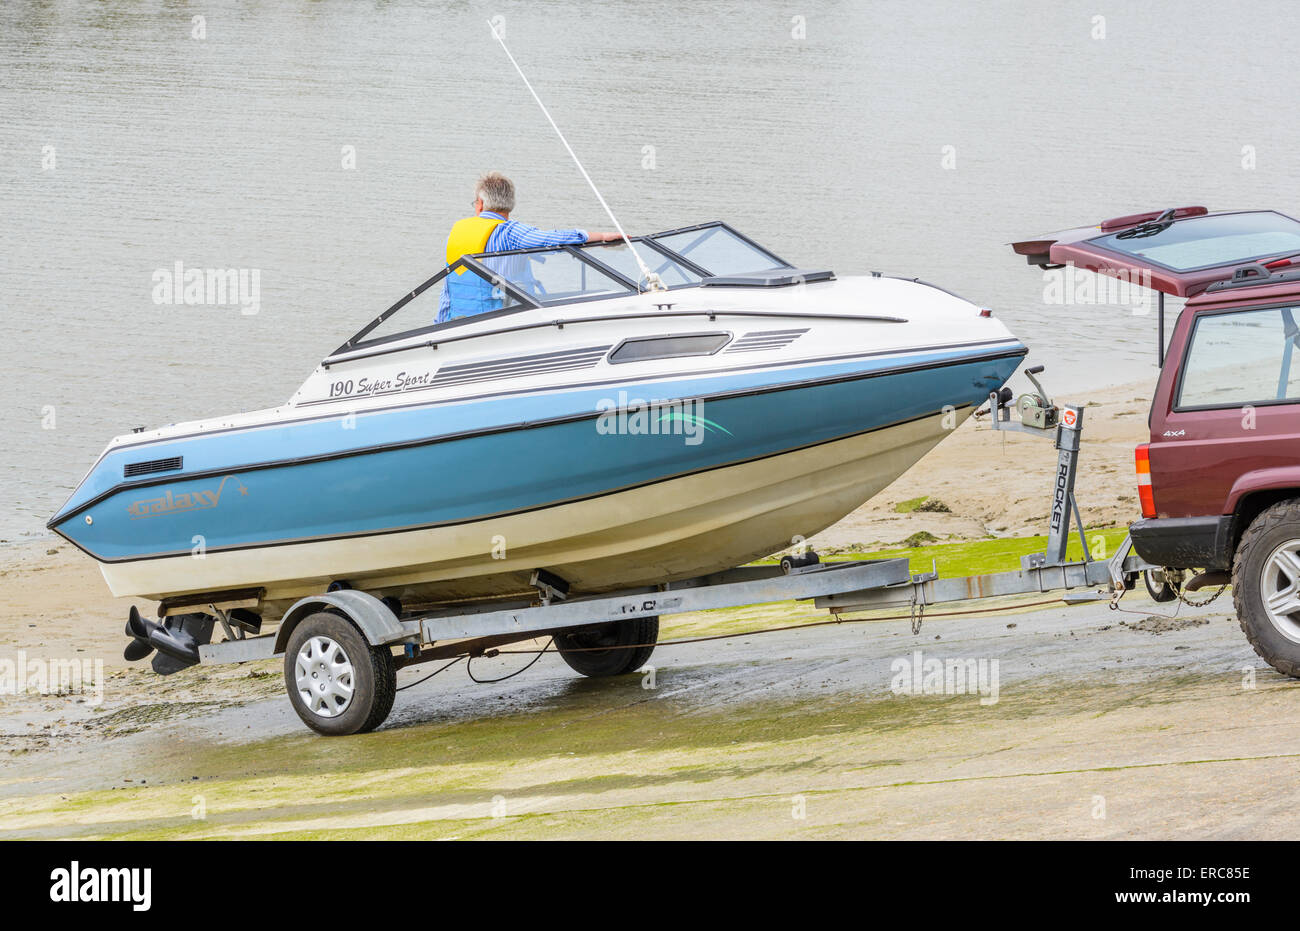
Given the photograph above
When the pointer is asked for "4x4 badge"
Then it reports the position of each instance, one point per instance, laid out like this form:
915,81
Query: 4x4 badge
1174,433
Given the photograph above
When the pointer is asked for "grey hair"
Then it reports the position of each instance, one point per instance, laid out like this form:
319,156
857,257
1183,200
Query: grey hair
496,191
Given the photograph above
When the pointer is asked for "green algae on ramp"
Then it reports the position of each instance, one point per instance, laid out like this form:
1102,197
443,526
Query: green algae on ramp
976,557
435,780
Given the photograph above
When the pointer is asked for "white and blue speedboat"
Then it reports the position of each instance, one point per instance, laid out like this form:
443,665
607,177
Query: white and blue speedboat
610,435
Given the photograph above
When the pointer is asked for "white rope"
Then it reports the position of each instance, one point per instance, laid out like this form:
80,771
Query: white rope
654,281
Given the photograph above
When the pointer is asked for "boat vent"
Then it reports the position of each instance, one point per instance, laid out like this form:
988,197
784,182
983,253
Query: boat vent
765,339
132,469
645,348
516,366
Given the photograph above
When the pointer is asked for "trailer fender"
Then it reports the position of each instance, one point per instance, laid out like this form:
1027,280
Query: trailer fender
377,624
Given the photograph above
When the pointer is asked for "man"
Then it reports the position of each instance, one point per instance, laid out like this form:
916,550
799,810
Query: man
491,230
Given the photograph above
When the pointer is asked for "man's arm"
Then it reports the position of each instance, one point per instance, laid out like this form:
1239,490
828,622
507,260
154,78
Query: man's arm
517,235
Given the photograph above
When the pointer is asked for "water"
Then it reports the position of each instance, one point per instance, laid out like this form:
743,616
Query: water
227,152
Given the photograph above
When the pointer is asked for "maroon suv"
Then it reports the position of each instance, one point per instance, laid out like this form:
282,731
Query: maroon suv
1219,483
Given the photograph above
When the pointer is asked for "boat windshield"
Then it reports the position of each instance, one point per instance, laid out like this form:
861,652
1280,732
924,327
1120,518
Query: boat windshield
619,257
552,276
504,282
720,250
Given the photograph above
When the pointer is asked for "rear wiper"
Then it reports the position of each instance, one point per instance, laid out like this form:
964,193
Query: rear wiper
1152,228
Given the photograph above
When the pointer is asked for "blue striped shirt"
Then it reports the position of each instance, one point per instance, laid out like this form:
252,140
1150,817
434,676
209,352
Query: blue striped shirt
513,234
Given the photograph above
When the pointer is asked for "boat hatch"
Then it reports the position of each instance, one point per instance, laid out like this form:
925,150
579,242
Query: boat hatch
1179,251
524,279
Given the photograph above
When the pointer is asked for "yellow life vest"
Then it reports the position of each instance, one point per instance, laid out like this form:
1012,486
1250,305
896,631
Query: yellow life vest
469,237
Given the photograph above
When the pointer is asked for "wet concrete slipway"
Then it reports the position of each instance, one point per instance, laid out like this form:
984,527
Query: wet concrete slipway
1106,725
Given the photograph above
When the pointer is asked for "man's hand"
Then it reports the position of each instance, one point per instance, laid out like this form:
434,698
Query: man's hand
604,237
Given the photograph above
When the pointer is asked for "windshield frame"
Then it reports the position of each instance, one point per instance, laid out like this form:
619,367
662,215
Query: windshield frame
585,252
777,261
592,252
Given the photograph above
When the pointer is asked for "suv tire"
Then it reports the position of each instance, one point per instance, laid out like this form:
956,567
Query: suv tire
1266,585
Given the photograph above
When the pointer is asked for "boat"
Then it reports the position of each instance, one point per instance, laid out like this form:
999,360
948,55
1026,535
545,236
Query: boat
605,426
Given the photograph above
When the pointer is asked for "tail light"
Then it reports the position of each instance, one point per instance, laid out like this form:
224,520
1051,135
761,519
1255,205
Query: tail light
1143,457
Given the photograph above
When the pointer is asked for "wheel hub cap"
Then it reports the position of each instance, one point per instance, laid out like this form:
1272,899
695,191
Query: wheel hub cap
1280,589
323,675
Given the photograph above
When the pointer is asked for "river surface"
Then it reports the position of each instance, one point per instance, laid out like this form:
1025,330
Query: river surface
328,145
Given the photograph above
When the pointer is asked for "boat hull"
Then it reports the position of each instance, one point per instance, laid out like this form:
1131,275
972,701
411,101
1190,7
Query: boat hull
676,528
472,514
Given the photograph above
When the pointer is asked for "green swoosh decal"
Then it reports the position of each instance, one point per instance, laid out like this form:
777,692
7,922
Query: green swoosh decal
694,420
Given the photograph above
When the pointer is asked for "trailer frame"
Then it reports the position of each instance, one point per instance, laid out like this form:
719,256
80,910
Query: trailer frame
839,587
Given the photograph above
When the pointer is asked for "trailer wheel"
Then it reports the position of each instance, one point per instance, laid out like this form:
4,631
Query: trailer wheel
1266,585
337,682
607,650
1158,586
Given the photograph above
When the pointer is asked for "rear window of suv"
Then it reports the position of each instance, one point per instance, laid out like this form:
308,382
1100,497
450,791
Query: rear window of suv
1240,358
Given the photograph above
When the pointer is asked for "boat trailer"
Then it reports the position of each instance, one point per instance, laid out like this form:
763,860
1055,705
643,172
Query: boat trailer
321,635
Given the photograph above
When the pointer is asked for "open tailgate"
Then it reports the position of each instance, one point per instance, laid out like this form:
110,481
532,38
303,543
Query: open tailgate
1180,251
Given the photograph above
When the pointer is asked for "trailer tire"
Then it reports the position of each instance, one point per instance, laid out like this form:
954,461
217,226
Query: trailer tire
351,684
1160,590
1268,564
578,648
798,561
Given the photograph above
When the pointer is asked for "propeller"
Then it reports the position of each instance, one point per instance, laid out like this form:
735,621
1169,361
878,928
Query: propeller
137,628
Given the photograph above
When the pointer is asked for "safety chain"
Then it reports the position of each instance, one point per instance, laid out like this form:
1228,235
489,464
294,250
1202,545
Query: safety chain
1200,604
1178,590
